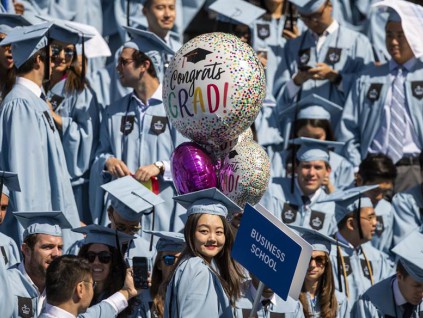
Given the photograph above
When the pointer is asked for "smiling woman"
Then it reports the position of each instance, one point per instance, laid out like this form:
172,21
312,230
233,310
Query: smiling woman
107,265
206,280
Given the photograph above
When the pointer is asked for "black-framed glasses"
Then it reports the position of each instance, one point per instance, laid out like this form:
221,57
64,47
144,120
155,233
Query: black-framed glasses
103,256
133,229
320,260
68,51
169,260
124,62
92,283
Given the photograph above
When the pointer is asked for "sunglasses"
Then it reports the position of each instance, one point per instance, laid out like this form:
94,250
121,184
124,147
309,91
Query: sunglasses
320,260
55,51
104,257
169,260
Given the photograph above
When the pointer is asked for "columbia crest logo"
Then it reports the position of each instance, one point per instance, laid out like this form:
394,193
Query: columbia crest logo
289,213
317,220
263,31
304,56
333,55
158,124
127,124
373,93
417,88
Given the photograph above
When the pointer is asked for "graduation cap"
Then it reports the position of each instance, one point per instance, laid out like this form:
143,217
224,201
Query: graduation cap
308,6
103,235
207,201
410,254
314,149
350,200
48,222
130,198
237,11
148,43
27,40
168,241
318,240
9,21
196,55
312,107
9,181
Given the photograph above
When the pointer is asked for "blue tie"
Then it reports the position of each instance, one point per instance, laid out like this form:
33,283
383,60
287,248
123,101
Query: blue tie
398,125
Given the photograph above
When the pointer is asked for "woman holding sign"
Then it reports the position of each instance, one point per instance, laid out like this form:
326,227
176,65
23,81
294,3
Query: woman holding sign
318,295
206,281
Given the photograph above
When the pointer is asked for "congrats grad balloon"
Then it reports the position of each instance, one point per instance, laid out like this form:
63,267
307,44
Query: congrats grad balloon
245,173
214,88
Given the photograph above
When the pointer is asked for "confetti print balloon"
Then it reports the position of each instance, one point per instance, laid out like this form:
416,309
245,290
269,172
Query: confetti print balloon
214,88
245,173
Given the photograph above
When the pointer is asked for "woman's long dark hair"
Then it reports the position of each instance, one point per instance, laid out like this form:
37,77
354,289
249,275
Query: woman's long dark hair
325,292
115,280
230,272
75,82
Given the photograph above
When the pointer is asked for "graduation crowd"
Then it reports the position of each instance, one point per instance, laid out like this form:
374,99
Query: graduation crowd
85,150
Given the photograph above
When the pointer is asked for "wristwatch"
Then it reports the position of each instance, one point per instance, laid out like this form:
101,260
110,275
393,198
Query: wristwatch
160,166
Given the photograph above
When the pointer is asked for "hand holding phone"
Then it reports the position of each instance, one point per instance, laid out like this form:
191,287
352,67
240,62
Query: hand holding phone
140,268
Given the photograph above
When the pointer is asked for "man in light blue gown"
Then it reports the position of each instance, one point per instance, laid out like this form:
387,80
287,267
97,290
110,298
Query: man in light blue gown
400,295
29,140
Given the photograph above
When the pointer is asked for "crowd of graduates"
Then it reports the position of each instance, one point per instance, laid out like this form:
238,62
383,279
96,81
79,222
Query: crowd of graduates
85,159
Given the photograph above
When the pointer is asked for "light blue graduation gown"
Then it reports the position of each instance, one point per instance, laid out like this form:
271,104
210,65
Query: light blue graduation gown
289,308
289,207
49,8
267,34
407,211
358,275
80,133
363,112
195,291
6,310
355,53
30,145
379,302
341,176
314,307
9,251
382,239
143,145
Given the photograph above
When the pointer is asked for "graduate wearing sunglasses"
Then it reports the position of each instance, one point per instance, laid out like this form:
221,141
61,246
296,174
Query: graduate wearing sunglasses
102,249
76,114
319,297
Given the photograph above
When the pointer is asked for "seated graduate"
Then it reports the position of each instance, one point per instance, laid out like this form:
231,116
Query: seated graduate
271,305
400,295
169,248
295,201
379,169
319,297
206,281
313,117
129,201
102,248
361,265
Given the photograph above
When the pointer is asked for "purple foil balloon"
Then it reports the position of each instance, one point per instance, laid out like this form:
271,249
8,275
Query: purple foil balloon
192,168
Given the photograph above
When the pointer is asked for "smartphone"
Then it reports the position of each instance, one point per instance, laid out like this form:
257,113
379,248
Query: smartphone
304,68
291,18
140,268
